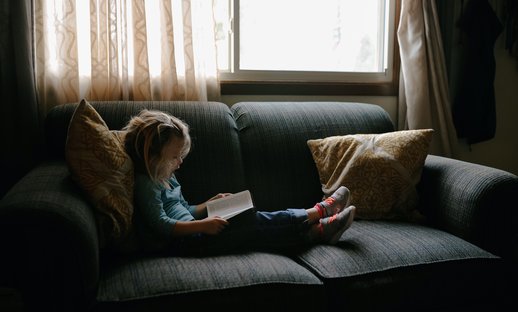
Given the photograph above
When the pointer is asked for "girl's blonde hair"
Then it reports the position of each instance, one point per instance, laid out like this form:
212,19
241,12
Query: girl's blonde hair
147,134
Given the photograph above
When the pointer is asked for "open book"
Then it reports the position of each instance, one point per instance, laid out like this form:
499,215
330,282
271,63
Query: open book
231,205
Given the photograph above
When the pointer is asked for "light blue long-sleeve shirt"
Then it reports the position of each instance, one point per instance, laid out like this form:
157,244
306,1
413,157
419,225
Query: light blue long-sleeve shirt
159,208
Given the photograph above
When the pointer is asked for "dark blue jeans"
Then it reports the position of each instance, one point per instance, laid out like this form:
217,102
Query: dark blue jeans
283,229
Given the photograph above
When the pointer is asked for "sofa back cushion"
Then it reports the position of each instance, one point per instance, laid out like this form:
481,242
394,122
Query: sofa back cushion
214,164
279,168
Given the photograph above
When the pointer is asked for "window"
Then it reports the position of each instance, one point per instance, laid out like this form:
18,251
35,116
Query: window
313,46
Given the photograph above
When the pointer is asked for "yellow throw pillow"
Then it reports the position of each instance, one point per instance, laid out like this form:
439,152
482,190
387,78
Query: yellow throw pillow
381,170
100,165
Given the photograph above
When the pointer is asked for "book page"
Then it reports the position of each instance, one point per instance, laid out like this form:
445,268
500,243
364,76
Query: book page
231,205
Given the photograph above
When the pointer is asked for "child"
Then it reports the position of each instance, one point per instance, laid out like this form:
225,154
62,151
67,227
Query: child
158,143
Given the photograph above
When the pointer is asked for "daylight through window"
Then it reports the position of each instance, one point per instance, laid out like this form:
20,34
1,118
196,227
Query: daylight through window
315,40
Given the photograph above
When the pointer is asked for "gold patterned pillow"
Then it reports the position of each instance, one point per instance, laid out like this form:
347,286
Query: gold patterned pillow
381,170
100,165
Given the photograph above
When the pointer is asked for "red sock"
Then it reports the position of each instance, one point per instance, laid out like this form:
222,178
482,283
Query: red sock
320,209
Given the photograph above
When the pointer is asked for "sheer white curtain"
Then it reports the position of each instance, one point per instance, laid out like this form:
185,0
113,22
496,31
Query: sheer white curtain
424,97
124,50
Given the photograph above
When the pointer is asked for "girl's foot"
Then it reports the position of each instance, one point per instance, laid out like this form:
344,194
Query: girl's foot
330,229
334,203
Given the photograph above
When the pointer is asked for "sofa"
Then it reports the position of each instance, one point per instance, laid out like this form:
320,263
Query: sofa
461,256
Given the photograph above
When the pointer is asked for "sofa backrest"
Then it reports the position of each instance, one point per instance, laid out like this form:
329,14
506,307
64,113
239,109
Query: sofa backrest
279,168
214,164
259,146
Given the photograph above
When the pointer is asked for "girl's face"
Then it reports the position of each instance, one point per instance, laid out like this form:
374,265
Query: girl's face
172,157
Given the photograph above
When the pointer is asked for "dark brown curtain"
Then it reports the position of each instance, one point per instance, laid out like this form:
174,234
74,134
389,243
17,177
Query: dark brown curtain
20,127
474,106
470,29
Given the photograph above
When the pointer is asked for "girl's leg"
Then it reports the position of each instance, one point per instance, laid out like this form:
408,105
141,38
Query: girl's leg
284,228
329,230
297,227
238,234
334,203
251,230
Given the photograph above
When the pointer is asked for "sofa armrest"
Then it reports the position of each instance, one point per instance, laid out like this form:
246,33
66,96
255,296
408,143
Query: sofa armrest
49,240
475,202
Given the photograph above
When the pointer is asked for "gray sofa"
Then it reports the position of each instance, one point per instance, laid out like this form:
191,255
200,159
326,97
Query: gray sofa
462,258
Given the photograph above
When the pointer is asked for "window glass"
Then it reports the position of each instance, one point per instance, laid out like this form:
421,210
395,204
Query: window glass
316,40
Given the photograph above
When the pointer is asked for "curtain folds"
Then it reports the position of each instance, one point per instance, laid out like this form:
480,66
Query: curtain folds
20,131
424,96
124,49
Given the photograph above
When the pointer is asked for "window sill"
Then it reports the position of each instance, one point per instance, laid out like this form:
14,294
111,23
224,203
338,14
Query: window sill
229,87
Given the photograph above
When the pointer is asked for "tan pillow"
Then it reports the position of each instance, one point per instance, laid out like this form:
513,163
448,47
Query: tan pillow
381,170
100,165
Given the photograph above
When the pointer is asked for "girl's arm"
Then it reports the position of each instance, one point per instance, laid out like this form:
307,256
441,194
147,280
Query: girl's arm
200,210
203,224
210,226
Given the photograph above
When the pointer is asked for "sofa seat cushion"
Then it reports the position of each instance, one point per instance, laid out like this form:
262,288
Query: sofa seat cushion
373,246
156,278
399,263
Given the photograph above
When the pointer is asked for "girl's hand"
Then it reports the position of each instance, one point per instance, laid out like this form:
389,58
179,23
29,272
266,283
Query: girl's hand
213,225
220,195
201,209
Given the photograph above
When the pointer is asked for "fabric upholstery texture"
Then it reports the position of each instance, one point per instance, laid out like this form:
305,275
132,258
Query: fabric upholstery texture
469,200
278,165
145,277
402,266
375,246
214,138
380,170
378,265
100,165
56,206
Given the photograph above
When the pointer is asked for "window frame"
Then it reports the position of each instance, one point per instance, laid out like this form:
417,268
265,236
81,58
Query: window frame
232,84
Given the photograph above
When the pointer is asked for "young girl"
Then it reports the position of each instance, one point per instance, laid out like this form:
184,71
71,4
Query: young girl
158,143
